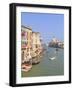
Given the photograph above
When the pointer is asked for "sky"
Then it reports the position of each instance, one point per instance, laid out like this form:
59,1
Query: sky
49,25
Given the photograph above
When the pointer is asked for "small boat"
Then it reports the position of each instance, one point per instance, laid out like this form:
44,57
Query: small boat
52,58
57,49
26,67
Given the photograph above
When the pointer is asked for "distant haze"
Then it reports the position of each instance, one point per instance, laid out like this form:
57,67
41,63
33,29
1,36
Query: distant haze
49,25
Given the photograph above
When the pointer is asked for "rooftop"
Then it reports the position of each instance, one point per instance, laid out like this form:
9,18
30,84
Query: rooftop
27,27
36,32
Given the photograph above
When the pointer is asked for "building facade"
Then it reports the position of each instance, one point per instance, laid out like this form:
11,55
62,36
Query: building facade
36,42
25,41
30,44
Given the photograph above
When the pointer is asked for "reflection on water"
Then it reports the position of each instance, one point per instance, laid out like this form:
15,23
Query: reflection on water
48,67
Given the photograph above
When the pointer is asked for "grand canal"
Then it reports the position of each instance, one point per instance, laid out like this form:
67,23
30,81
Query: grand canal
48,67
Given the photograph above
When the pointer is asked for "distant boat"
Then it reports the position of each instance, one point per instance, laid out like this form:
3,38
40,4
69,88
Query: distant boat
52,58
57,49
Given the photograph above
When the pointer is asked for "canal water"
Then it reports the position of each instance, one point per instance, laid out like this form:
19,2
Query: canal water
48,67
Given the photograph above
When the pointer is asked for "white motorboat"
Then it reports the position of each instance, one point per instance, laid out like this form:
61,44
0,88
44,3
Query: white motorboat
52,58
